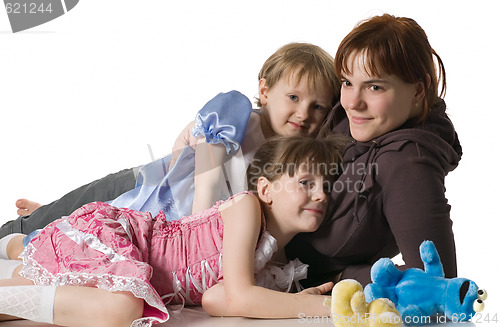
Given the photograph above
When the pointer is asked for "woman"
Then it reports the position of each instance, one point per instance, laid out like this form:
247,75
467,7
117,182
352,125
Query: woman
391,195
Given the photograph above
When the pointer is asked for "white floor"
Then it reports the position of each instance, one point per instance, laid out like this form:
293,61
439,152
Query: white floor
195,316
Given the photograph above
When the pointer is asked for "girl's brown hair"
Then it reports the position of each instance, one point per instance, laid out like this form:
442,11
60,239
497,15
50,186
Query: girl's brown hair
279,155
395,45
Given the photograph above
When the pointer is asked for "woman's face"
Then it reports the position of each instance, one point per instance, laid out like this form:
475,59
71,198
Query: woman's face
376,105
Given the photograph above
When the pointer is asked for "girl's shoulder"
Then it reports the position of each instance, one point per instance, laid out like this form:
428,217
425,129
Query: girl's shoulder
240,200
243,209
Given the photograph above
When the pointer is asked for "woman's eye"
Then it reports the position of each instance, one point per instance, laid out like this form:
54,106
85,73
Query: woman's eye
293,97
375,88
346,83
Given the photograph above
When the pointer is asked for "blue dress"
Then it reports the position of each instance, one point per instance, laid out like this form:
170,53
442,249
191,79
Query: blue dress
224,119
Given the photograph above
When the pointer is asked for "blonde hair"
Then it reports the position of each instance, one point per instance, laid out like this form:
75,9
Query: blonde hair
302,60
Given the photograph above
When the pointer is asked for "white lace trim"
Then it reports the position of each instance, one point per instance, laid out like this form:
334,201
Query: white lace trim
275,276
145,322
267,247
40,276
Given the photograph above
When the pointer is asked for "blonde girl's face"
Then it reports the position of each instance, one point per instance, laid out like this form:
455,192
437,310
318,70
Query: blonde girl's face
298,203
290,108
376,105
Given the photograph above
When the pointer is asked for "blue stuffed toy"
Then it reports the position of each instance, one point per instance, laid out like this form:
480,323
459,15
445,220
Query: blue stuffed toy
420,294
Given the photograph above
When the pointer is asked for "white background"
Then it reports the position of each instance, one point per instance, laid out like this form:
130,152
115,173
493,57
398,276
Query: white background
83,95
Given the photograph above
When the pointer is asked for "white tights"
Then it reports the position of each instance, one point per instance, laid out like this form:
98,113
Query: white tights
7,267
4,241
32,302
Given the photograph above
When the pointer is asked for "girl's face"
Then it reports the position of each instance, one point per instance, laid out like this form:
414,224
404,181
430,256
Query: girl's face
298,203
376,105
289,109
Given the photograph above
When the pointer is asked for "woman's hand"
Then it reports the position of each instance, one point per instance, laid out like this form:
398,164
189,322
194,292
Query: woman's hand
318,290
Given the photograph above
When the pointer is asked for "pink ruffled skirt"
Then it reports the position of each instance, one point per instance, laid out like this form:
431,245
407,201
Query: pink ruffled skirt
98,246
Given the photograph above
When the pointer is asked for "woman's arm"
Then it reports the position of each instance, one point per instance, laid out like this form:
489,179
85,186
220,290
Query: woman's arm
238,295
416,207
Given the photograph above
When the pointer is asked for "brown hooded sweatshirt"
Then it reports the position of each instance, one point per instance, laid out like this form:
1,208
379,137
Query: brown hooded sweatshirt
390,198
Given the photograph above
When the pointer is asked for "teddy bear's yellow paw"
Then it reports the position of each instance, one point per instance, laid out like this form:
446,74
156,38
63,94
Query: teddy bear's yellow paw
383,313
349,308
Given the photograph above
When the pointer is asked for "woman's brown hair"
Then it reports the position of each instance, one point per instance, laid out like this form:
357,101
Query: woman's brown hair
398,46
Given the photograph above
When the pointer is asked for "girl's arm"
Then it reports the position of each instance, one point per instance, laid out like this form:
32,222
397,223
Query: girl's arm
209,178
184,139
223,120
238,295
214,302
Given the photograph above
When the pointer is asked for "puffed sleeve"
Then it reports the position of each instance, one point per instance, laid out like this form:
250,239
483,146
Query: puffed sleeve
223,120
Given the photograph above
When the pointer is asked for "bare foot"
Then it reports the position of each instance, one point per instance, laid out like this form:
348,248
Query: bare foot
26,207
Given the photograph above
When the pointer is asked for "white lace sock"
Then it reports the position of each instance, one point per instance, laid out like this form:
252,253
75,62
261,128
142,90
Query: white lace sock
7,267
35,303
4,241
